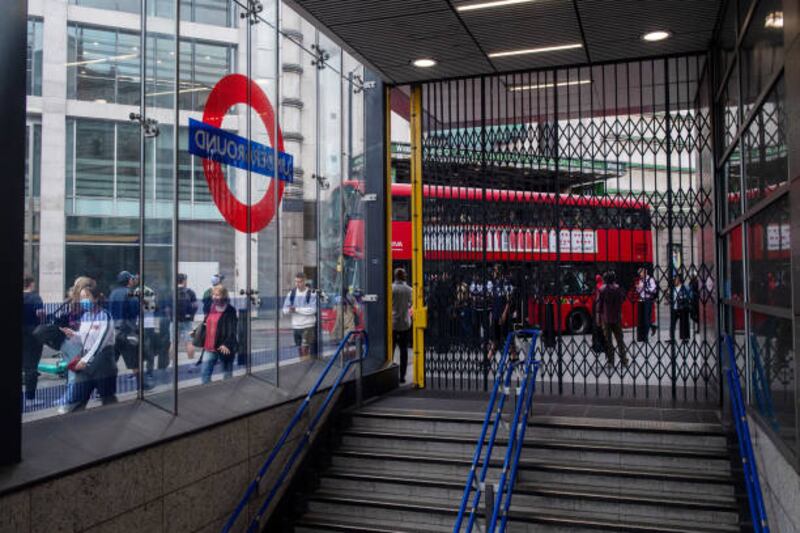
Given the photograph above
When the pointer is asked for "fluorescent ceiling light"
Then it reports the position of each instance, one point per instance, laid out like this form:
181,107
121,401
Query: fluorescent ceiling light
774,20
495,3
536,50
538,86
654,36
424,62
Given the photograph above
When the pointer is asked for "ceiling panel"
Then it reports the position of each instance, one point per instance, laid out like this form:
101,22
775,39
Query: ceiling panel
390,34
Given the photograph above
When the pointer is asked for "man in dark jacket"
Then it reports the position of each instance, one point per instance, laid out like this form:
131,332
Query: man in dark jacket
609,314
31,347
124,308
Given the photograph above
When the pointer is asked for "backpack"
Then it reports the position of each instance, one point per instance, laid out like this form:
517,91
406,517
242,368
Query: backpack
684,299
293,295
186,301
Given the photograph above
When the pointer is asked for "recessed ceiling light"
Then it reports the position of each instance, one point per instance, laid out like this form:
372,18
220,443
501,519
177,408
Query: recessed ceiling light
538,86
495,3
536,50
654,36
774,20
424,62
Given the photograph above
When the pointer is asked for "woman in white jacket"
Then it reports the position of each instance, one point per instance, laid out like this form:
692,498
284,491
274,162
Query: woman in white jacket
95,366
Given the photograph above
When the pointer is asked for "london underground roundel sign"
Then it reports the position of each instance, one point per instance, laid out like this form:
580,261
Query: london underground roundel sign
217,147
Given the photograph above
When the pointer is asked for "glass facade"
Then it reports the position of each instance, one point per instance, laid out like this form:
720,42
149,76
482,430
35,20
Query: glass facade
755,220
156,236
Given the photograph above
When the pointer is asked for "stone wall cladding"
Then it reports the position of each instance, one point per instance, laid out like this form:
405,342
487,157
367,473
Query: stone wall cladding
190,484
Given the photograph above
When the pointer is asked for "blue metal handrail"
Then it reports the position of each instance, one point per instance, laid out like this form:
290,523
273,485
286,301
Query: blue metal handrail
505,489
253,487
503,377
755,497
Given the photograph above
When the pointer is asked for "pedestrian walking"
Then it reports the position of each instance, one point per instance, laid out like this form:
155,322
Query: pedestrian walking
218,335
94,366
33,313
301,305
647,293
609,312
402,296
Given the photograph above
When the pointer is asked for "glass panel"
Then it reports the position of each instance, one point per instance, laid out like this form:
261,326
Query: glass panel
92,63
727,38
762,50
729,102
769,253
130,6
158,285
298,254
732,194
333,285
34,58
765,157
266,297
772,374
217,12
733,275
94,158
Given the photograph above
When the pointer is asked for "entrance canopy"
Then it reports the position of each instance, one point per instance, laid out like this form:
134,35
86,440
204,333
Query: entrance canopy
473,37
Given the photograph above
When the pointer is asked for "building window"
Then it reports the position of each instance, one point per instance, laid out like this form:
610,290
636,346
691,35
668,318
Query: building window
214,12
103,65
34,58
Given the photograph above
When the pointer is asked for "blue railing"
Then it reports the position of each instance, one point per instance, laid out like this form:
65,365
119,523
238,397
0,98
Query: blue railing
755,497
305,439
505,371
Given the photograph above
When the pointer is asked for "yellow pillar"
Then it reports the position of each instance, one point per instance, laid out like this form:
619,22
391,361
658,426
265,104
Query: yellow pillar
388,209
418,308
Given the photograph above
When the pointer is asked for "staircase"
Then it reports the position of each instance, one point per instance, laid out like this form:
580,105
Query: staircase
399,465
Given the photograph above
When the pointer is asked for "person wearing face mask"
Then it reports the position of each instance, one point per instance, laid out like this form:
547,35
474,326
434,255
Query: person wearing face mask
94,367
219,340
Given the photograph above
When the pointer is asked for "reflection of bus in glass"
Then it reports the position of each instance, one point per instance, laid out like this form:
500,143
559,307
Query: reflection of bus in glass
516,229
769,258
341,256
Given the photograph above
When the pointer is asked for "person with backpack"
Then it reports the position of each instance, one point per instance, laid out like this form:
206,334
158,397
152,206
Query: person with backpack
301,305
647,291
681,305
187,308
609,314
94,366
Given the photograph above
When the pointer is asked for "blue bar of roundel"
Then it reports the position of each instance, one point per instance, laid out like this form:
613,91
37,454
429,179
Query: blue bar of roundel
213,143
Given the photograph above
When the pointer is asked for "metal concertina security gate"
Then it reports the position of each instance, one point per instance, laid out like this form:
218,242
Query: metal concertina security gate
535,184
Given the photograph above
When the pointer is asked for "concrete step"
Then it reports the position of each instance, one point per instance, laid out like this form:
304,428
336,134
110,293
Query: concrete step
418,515
650,455
630,432
608,476
644,504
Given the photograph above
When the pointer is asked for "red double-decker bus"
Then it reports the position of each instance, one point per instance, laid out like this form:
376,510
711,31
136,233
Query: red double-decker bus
593,234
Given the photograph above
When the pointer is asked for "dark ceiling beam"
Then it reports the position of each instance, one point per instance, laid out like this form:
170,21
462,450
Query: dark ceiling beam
471,36
583,34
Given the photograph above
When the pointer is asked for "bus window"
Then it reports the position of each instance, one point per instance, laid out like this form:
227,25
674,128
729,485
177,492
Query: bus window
401,209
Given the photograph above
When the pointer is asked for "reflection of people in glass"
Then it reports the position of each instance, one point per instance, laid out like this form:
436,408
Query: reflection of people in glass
220,343
301,305
33,312
95,365
124,308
